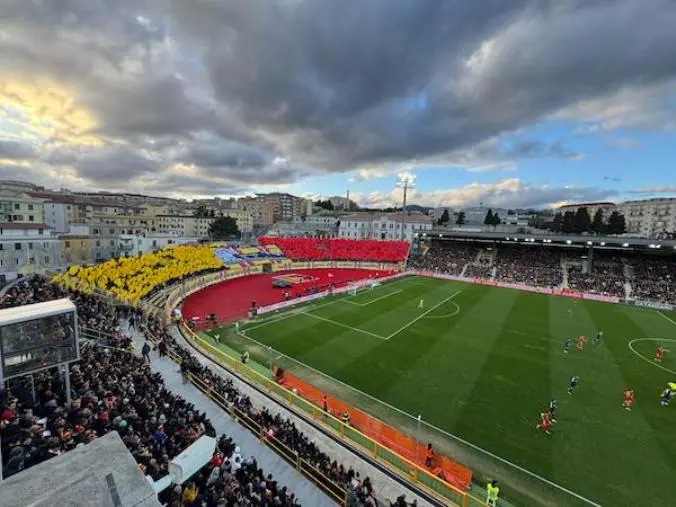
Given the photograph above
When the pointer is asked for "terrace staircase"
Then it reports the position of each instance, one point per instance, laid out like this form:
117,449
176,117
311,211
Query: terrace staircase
494,272
485,258
628,276
464,269
564,268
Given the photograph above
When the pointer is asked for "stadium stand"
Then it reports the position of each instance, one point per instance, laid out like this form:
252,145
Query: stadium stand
607,277
654,280
115,390
447,257
537,266
129,279
337,249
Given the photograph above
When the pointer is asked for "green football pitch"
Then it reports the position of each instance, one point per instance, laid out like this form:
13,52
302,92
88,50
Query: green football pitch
479,364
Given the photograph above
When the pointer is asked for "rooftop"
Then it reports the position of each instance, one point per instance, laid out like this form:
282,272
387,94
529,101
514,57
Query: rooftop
22,226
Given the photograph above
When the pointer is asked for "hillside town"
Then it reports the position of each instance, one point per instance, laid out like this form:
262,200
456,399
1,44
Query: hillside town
44,230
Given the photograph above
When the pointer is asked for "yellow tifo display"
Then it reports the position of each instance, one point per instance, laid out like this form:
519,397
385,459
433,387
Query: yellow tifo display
130,279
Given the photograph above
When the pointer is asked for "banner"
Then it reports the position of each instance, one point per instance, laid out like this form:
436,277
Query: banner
654,305
522,286
339,290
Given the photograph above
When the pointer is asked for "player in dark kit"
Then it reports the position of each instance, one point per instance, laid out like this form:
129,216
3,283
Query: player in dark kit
597,339
553,406
572,384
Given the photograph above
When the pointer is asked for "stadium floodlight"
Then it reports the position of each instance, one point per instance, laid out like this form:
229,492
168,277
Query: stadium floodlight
603,243
589,243
405,180
658,246
625,245
569,242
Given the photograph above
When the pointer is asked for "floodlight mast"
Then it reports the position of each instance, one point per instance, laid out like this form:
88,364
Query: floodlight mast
405,180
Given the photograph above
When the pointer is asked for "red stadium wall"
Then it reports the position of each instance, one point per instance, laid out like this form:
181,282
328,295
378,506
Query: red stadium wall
230,300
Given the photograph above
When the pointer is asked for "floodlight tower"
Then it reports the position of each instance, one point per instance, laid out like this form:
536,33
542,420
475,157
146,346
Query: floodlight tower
405,181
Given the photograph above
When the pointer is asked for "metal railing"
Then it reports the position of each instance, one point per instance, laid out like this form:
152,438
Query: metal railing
334,490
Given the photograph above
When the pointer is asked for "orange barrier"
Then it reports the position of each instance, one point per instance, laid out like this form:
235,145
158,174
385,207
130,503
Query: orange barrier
443,467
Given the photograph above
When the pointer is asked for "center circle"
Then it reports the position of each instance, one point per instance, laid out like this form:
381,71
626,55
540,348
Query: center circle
445,315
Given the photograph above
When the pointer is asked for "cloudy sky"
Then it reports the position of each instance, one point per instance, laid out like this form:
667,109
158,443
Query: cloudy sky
506,102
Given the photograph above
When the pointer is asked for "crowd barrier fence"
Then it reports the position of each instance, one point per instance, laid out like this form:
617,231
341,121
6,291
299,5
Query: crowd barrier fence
334,490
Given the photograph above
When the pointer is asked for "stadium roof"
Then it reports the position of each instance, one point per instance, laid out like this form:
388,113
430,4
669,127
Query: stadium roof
102,474
555,239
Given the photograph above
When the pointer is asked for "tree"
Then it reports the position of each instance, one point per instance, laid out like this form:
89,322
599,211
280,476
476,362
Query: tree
489,217
496,220
212,213
568,225
325,205
598,224
201,211
445,218
616,223
557,223
582,221
223,228
460,220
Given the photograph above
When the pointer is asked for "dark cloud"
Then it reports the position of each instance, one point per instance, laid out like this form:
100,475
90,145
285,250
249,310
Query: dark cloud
380,81
16,150
332,85
116,163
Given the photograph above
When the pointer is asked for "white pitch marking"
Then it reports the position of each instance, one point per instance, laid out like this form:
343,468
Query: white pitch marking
446,315
631,347
669,319
406,326
373,300
436,428
336,323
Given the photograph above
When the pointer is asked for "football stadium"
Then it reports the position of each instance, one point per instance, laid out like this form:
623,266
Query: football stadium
314,253
431,371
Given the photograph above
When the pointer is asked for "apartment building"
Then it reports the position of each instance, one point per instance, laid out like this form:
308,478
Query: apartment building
592,208
20,207
183,225
384,226
650,218
27,248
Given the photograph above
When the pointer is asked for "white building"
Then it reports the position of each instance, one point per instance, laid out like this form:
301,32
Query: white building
131,245
27,248
384,226
650,218
57,216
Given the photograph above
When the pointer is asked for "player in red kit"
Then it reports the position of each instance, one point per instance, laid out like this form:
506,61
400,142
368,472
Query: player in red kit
659,354
628,399
545,422
580,342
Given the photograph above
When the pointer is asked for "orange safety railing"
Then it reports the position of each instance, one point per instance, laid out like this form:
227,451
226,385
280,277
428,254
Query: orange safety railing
441,466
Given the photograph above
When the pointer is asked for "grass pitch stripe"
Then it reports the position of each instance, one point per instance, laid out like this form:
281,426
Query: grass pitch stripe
336,323
668,318
409,324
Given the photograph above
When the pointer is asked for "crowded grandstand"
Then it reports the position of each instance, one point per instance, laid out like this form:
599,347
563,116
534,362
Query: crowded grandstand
114,389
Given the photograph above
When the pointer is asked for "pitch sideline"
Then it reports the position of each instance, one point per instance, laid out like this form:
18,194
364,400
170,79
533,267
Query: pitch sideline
443,432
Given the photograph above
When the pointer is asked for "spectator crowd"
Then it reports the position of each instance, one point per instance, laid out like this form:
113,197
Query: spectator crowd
654,280
536,266
445,257
114,390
